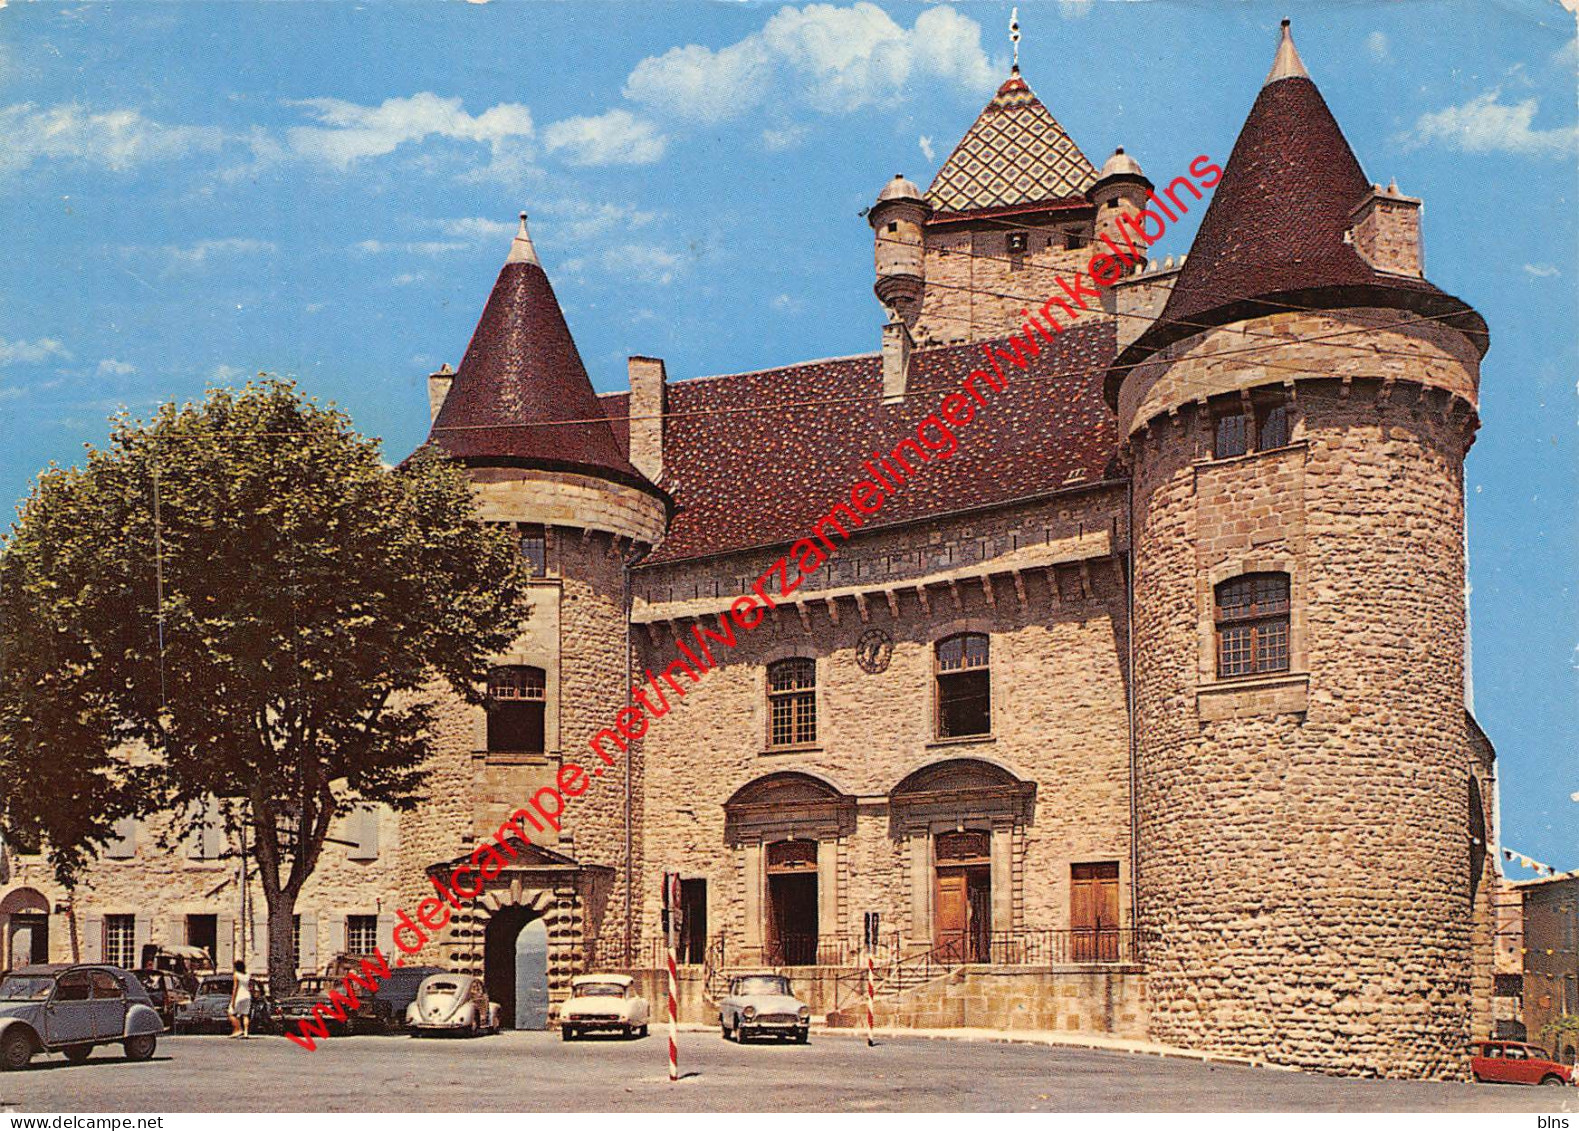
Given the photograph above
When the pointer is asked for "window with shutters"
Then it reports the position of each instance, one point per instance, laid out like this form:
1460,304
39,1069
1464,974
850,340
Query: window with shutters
792,702
361,933
964,686
120,941
206,841
517,700
361,829
124,844
1252,625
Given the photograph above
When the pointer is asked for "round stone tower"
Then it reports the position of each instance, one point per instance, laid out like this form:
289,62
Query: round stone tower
521,414
898,220
1296,422
1120,190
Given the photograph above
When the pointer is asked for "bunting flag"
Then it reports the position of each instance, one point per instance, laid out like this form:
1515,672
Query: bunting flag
1525,862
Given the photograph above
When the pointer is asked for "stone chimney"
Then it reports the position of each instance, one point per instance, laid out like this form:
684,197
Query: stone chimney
897,344
648,402
1385,229
438,388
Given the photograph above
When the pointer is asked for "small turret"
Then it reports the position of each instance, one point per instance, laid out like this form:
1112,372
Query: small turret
897,221
1120,189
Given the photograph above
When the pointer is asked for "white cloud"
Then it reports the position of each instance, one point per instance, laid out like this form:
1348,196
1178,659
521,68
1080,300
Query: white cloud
417,247
115,139
926,147
1073,9
476,228
1541,270
203,250
225,373
1376,44
788,304
30,353
784,137
350,132
647,263
834,59
1485,125
405,279
617,137
109,367
573,220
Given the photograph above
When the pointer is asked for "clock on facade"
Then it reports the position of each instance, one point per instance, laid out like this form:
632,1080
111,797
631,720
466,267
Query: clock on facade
874,650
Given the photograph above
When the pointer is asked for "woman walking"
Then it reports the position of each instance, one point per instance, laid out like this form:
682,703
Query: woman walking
241,1003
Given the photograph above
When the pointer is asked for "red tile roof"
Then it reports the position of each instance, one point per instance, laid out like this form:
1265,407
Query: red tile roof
755,458
521,396
1275,231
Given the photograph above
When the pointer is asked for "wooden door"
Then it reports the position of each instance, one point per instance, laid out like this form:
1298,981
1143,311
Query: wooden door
1093,912
951,920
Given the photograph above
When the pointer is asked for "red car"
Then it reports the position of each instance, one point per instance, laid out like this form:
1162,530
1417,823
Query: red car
1513,1062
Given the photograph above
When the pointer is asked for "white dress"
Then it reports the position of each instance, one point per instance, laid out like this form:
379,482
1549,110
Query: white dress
243,1005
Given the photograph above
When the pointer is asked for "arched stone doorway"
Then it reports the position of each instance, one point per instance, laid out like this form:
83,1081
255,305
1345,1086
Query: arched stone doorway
24,928
515,966
788,830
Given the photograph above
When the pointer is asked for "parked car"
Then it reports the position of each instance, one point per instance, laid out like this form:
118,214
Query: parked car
188,963
603,1002
452,1003
167,992
762,1004
380,1011
209,1009
72,1008
1514,1062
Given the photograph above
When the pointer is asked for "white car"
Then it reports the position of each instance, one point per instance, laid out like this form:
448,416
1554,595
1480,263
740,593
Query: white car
606,1003
763,1005
452,1003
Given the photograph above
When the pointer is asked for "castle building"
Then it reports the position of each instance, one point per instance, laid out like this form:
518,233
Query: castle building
1141,712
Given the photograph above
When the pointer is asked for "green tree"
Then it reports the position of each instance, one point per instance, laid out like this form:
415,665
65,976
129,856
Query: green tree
237,599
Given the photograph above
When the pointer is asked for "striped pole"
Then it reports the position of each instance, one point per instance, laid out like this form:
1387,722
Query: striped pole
674,1019
870,994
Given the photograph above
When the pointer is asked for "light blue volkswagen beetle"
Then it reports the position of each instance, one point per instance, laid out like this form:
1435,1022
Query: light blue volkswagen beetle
70,1009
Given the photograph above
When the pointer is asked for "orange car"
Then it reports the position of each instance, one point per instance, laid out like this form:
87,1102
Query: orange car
1513,1062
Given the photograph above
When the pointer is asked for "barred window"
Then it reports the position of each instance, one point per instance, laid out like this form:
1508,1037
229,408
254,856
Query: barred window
792,702
361,934
517,697
120,933
1271,427
1260,428
534,549
1233,436
1252,625
964,686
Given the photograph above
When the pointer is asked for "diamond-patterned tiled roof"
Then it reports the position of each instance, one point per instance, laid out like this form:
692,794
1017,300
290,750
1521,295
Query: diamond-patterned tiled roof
1016,153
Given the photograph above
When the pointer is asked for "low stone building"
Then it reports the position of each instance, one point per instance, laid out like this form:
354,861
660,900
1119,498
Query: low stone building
1139,708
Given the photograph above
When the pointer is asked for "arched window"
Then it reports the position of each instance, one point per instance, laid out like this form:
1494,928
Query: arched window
516,701
792,702
964,686
1252,625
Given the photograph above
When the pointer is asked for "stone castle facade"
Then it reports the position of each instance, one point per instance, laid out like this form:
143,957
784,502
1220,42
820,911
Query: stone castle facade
1143,712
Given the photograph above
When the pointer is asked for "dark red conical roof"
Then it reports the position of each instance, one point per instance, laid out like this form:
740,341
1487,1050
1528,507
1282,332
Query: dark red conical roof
1275,228
521,397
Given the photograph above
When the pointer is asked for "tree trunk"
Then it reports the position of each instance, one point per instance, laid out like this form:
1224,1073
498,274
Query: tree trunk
282,965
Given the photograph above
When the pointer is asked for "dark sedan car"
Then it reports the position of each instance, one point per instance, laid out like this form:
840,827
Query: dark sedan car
167,992
209,1009
382,1011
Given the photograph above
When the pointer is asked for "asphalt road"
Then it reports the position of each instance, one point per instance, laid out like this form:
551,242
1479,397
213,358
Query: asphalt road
538,1072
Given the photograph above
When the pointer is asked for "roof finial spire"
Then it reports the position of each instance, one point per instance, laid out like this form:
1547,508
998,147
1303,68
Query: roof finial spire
521,249
1014,36
1286,65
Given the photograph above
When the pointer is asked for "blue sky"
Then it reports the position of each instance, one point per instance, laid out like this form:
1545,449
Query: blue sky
194,192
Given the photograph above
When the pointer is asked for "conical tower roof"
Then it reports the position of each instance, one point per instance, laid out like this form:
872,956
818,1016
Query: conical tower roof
521,397
1275,229
1015,154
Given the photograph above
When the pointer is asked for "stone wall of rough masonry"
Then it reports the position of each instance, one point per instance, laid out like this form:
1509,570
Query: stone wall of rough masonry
1483,922
1303,837
1058,703
976,289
